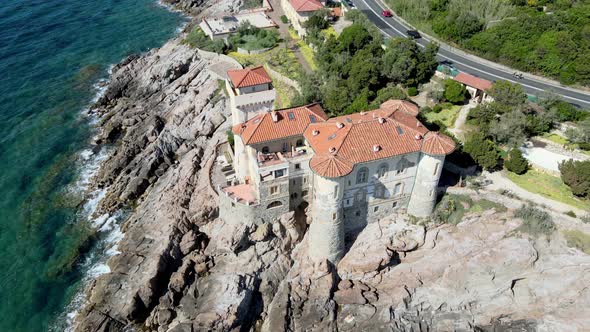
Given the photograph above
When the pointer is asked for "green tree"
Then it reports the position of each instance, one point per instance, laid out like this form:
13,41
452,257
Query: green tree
576,174
507,93
454,91
516,163
354,38
363,71
399,60
509,129
387,93
483,151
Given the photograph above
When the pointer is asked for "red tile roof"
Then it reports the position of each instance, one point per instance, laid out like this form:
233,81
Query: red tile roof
404,105
472,81
344,141
306,5
290,122
248,77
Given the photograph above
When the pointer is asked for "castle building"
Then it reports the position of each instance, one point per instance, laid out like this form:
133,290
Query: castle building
351,170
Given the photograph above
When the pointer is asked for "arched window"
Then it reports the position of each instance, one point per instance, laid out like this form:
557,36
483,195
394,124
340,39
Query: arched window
382,171
362,176
265,149
274,204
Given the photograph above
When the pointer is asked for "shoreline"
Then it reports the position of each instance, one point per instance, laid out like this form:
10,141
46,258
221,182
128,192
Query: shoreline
107,227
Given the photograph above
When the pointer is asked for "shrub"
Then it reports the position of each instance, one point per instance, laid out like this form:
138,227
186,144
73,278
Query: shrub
454,92
230,138
412,91
437,108
516,163
198,39
425,110
535,220
576,174
284,19
485,153
571,214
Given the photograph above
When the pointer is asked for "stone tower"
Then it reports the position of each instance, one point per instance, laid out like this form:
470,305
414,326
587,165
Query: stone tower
326,232
423,196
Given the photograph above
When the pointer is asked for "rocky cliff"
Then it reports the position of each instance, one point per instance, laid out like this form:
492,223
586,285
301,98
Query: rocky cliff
180,268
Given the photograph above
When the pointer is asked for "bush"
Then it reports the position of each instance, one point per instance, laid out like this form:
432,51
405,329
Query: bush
284,19
412,91
516,163
250,37
437,108
198,39
571,214
485,152
535,220
425,110
576,174
454,92
230,137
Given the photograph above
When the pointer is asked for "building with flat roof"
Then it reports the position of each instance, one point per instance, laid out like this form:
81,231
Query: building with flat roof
223,26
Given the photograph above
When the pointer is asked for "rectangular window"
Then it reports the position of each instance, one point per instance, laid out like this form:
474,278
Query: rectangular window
312,119
436,169
297,166
274,190
279,173
399,129
294,182
291,115
305,179
358,213
397,190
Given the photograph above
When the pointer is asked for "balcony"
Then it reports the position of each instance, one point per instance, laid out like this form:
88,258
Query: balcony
277,158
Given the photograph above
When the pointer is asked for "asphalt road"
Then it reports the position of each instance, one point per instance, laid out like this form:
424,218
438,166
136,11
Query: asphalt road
392,27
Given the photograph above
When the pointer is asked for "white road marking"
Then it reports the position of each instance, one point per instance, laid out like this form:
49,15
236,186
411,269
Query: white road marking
471,67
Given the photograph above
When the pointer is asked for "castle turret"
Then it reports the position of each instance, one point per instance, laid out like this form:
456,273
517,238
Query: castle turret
430,164
250,92
326,231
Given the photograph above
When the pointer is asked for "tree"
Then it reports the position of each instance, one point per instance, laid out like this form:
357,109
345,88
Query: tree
399,60
581,134
363,71
427,63
317,21
354,38
387,93
483,151
454,91
508,94
509,129
576,174
516,163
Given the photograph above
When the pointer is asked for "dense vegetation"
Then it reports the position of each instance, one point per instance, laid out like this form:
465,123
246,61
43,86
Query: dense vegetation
251,38
355,73
197,38
551,37
576,174
516,163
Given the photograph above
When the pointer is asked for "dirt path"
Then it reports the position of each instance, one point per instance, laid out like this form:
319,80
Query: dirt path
458,129
275,15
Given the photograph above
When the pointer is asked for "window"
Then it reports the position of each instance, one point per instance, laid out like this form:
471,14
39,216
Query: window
383,169
436,168
375,209
274,190
336,191
362,175
358,213
265,149
400,171
349,183
304,193
394,204
279,173
274,204
333,216
299,143
291,115
379,191
397,190
312,119
294,182
305,179
297,166
294,196
399,129
285,146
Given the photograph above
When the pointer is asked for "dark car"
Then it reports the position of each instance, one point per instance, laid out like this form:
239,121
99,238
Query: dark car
413,34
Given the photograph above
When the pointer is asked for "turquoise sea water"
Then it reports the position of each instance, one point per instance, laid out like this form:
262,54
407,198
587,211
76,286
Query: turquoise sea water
52,52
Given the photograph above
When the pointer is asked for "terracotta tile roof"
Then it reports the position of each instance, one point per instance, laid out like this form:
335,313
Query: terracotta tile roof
404,105
472,81
290,122
248,77
344,141
437,144
306,5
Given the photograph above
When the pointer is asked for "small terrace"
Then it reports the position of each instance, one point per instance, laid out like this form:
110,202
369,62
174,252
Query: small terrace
277,158
241,193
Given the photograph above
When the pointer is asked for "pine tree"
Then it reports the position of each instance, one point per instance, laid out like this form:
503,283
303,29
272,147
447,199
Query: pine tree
516,163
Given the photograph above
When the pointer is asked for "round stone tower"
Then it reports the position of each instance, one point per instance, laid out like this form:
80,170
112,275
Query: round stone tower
434,149
326,232
423,196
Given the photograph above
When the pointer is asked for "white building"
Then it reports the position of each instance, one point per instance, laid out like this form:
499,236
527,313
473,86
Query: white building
221,27
351,170
299,11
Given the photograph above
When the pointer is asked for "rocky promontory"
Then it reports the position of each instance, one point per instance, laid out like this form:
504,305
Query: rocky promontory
181,268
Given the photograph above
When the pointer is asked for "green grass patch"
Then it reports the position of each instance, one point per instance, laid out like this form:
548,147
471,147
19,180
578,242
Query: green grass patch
558,139
578,239
330,31
452,208
447,116
285,94
279,58
548,186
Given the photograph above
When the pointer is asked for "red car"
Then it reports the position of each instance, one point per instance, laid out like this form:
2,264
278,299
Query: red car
386,13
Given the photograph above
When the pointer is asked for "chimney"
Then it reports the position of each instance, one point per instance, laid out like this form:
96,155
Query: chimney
315,132
418,137
376,148
381,120
275,116
340,125
332,150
